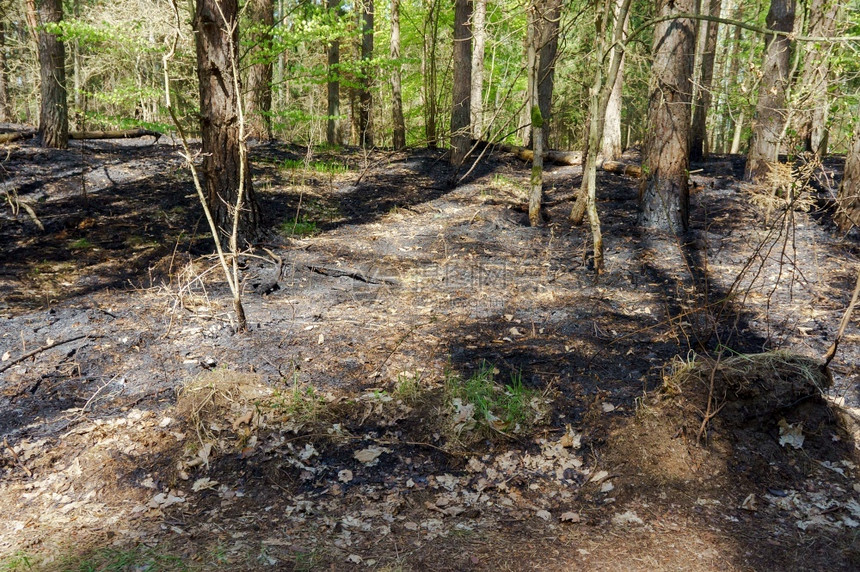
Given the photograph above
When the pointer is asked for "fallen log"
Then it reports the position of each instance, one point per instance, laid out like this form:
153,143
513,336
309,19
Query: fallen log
574,158
77,135
621,168
16,135
124,134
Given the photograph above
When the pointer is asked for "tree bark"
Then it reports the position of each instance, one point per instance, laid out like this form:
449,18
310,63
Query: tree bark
462,84
223,163
332,131
259,102
428,68
5,102
848,199
479,39
664,194
396,89
703,97
771,113
610,147
548,25
365,96
54,111
812,122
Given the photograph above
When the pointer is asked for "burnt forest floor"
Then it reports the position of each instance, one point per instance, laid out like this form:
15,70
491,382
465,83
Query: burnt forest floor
428,383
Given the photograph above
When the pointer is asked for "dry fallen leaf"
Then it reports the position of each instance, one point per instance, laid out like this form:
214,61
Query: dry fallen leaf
570,516
203,484
370,456
543,514
750,503
344,476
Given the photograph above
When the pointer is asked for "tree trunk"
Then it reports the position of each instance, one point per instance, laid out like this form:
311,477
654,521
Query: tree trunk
54,111
259,102
812,122
771,114
5,102
664,195
703,98
610,147
479,39
223,163
848,199
462,84
536,120
365,96
428,65
396,90
332,131
548,25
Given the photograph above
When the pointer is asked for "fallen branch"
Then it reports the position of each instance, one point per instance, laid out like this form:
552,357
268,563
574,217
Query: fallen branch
43,348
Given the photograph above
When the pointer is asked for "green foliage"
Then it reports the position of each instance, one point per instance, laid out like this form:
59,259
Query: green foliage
17,562
299,227
479,401
298,403
326,167
119,560
81,244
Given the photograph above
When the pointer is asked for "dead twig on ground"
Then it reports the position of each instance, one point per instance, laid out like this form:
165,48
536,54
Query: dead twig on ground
44,348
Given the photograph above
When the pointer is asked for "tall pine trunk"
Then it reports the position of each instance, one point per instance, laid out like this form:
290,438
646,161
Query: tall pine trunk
365,96
332,131
396,89
259,102
462,84
812,123
429,72
664,195
5,102
771,113
54,111
548,25
703,97
479,40
223,164
610,146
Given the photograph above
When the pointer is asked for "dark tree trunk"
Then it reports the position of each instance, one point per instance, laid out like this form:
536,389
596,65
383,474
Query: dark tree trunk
365,97
812,124
703,99
259,102
770,113
223,164
848,199
428,64
462,88
664,193
332,131
5,102
54,111
549,20
396,91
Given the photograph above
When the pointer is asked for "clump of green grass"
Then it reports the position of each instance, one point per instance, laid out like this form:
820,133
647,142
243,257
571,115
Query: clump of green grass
480,403
299,227
325,167
408,386
298,403
81,244
116,559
